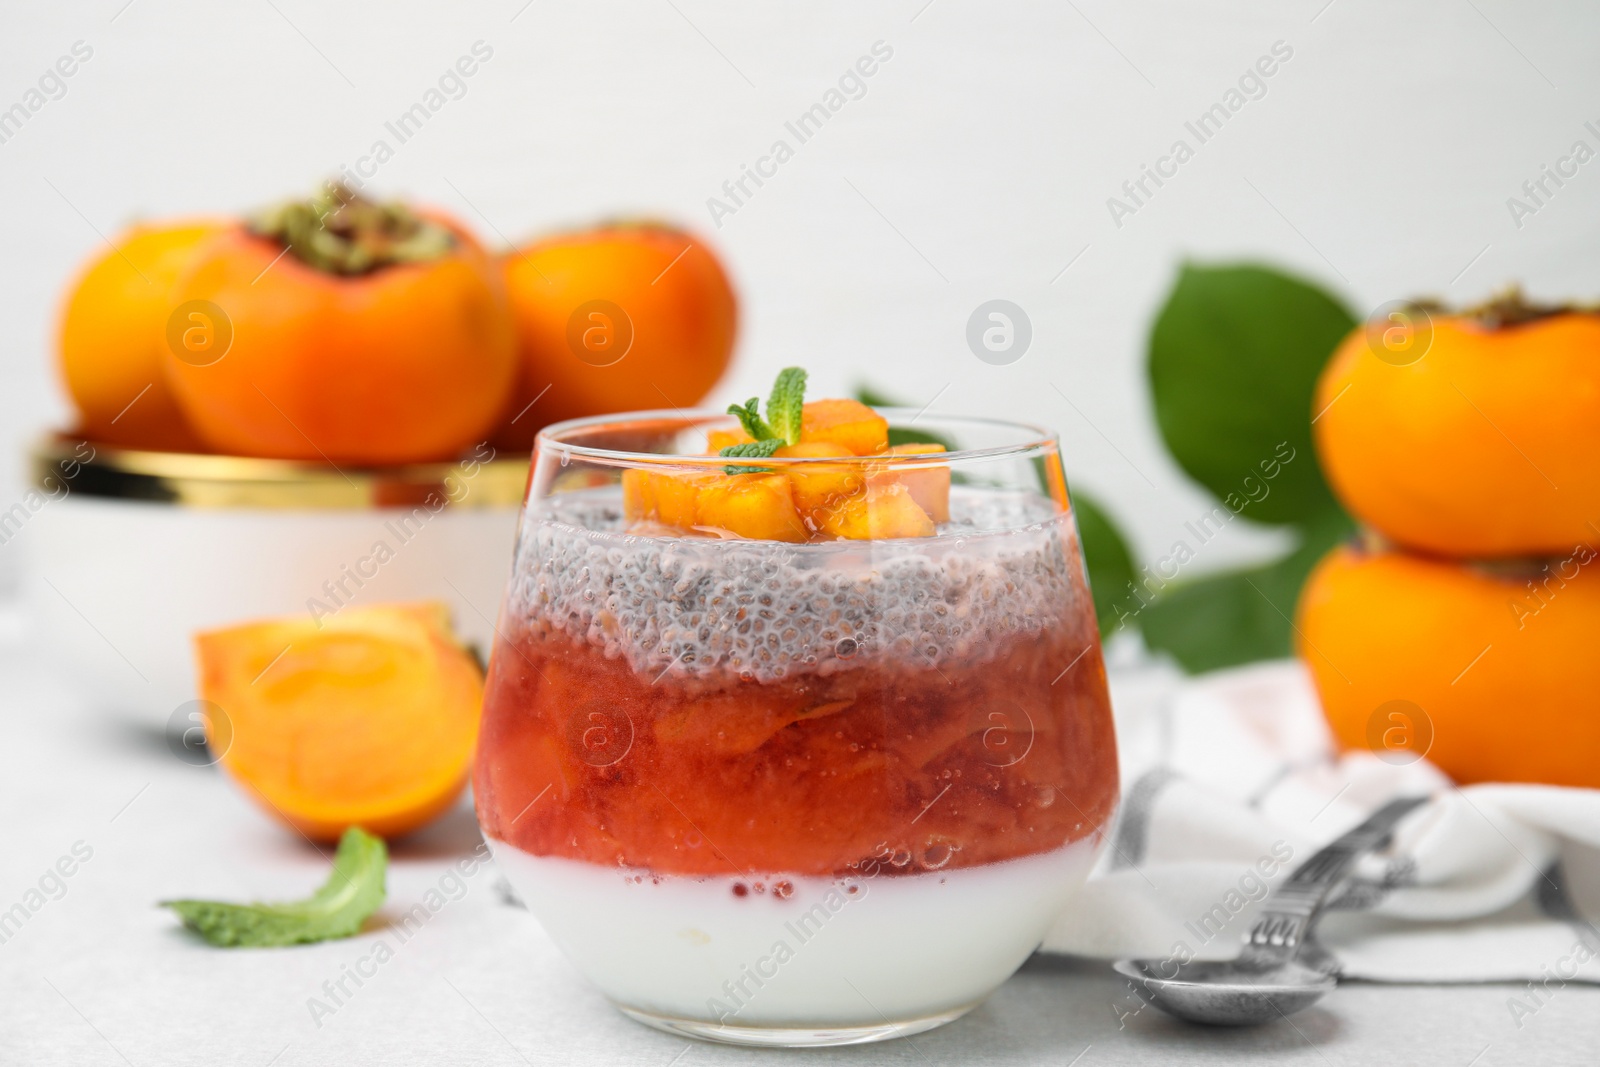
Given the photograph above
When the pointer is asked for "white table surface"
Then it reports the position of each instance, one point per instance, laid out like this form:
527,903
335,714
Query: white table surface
102,976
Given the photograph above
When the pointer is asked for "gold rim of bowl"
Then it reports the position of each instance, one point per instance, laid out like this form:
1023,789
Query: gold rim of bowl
63,464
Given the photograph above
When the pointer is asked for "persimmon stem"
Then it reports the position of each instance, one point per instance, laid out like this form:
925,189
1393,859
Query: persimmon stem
338,231
1510,307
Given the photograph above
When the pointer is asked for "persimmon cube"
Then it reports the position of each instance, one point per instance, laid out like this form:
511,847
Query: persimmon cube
638,495
845,422
717,440
667,497
757,506
878,513
819,486
928,486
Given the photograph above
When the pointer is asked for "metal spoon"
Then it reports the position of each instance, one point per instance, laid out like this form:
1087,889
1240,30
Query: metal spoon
1281,970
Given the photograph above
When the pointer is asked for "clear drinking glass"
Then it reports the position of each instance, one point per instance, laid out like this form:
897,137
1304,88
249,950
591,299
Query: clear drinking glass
805,793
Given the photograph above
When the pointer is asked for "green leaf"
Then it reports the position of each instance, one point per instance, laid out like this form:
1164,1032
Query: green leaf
352,892
751,450
1223,620
1234,359
1105,556
874,399
784,406
905,435
750,419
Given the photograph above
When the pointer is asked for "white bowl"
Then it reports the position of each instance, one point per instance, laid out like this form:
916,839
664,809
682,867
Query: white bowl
128,554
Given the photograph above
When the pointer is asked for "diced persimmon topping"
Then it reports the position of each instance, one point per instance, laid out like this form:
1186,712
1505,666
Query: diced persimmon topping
757,506
849,423
638,495
667,497
928,486
879,513
717,440
820,486
812,500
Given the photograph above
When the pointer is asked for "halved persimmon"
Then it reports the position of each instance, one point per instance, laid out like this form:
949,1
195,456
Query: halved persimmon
365,718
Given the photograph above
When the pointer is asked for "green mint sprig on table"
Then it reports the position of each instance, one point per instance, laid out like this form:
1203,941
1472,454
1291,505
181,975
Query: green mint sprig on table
785,410
352,892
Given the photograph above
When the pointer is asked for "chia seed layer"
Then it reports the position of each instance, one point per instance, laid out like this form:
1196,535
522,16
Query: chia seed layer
696,607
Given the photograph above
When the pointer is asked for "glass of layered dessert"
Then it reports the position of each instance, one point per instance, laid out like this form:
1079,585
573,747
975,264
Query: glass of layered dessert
796,730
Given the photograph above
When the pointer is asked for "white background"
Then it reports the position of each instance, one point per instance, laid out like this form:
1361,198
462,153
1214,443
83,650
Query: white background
977,165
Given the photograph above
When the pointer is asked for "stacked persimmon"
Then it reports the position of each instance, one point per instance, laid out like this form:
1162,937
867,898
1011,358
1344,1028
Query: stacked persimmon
1463,626
340,330
806,497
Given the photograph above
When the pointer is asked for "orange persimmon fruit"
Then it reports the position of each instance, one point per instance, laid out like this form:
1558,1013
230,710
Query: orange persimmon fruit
809,500
110,336
622,317
928,486
877,513
360,334
819,486
1484,447
758,506
717,440
668,497
845,422
1488,670
364,718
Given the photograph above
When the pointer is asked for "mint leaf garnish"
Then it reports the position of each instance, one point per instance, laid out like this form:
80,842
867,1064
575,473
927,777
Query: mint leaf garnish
751,420
750,450
352,892
785,404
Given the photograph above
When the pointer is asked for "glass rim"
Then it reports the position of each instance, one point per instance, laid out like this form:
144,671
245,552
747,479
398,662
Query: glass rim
1034,438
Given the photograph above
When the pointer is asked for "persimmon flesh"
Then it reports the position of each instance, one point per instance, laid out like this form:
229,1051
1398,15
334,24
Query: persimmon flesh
365,718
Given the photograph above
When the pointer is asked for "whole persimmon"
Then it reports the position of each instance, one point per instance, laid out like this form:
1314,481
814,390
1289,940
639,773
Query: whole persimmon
1484,446
1489,671
619,318
108,341
345,331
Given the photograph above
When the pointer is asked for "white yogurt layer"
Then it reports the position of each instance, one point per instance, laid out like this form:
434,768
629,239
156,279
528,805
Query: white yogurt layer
803,951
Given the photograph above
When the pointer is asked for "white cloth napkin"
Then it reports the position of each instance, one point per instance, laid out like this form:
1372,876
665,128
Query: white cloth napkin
1232,780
